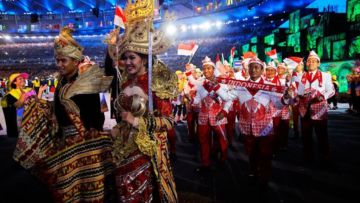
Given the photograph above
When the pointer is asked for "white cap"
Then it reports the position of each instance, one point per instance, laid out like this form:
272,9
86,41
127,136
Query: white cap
271,64
226,63
207,61
282,65
258,61
245,62
313,54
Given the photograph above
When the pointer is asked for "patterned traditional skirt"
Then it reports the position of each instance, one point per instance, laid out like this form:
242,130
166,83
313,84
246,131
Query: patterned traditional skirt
76,167
134,179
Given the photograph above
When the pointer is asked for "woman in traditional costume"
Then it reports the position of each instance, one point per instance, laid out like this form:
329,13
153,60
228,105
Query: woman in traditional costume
143,172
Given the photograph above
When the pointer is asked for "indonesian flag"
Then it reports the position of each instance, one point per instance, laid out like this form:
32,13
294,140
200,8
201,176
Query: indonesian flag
249,54
272,54
56,27
187,49
217,58
292,61
119,19
232,52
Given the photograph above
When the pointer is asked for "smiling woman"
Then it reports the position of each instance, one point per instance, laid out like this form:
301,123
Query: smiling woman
140,138
13,102
134,63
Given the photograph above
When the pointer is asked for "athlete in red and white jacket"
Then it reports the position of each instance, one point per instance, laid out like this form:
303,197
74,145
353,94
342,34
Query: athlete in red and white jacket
256,121
192,110
313,91
295,81
214,108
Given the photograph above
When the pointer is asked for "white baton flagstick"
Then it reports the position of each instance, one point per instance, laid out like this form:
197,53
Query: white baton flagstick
151,105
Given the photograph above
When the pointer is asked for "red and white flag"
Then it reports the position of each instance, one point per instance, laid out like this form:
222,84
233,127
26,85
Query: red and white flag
292,61
232,52
119,19
187,49
249,54
217,58
272,54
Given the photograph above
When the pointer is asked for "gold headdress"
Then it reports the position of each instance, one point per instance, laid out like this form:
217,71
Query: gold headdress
65,45
136,39
139,18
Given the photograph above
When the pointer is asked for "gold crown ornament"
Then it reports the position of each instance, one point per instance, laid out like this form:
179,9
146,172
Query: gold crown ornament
139,10
139,22
136,39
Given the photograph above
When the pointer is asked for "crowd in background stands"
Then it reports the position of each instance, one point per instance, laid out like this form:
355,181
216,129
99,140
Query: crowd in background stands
43,75
32,70
40,54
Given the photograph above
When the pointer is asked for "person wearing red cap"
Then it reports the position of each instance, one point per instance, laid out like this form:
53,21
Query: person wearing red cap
314,89
256,121
13,101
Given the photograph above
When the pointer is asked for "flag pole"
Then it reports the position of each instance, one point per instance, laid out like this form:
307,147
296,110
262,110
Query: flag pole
191,56
151,105
118,74
117,58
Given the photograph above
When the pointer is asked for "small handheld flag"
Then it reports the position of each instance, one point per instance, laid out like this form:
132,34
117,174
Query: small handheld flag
272,54
119,19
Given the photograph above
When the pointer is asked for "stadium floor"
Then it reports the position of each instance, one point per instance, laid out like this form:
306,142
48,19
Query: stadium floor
292,180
